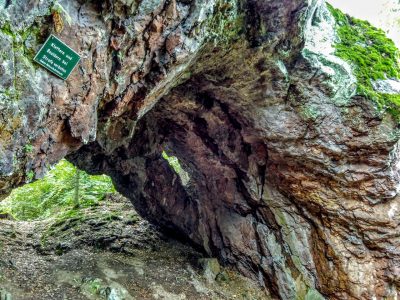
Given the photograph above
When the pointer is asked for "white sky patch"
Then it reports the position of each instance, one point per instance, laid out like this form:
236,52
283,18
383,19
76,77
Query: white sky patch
384,14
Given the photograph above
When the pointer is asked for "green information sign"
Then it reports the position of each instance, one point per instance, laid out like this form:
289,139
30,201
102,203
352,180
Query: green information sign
57,57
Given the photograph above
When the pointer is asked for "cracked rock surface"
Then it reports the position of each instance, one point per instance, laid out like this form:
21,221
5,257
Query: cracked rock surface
293,178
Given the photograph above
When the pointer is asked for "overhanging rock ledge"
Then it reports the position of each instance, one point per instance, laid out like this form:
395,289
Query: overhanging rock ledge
294,177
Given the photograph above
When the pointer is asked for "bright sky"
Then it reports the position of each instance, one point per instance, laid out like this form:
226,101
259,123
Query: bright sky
381,13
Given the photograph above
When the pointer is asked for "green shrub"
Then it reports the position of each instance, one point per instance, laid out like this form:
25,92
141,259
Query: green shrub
54,195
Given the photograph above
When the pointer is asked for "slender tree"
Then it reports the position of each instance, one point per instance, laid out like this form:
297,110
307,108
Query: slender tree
76,187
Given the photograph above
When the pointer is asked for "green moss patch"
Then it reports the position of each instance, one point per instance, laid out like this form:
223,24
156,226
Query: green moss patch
226,24
19,37
372,55
23,42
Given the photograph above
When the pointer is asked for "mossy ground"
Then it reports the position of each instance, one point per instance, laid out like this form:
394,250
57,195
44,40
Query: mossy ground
372,55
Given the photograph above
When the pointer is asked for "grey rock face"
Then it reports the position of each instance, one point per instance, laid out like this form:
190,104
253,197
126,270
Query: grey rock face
293,179
388,86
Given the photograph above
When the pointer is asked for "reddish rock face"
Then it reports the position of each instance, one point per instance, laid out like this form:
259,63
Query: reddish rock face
293,180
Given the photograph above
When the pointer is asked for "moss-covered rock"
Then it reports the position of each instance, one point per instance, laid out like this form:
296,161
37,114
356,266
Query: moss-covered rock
372,55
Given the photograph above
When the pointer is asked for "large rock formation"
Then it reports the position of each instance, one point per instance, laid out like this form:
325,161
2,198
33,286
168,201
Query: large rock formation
293,173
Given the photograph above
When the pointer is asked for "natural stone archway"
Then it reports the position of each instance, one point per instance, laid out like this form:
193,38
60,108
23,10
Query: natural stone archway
293,179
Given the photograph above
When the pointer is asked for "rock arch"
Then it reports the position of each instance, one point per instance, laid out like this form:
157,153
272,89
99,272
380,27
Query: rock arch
293,180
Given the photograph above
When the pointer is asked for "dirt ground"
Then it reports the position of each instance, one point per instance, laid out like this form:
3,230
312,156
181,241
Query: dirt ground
108,252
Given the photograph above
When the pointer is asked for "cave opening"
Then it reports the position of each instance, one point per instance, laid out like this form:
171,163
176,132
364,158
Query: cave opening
173,161
60,193
68,234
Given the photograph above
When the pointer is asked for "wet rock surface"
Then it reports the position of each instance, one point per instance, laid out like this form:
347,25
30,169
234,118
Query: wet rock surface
123,257
293,179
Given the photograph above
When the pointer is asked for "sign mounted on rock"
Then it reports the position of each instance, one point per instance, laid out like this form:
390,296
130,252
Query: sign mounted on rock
57,57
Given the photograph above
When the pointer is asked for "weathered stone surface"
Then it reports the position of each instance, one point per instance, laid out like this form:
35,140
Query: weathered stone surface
131,54
293,178
388,86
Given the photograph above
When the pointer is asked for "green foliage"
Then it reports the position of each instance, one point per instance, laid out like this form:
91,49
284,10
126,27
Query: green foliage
309,112
226,23
30,175
173,162
28,148
372,55
176,166
54,195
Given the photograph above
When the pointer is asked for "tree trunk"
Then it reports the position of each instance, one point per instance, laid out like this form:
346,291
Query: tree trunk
76,188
